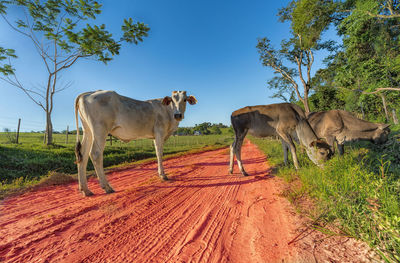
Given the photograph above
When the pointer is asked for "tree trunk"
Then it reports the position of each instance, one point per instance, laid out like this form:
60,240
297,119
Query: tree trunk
306,106
362,111
305,101
394,115
49,129
384,106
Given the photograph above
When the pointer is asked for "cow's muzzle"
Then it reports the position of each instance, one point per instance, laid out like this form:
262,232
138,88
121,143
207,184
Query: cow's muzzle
178,116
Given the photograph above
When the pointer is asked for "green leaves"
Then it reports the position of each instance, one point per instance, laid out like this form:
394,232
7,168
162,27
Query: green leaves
134,33
6,69
310,18
370,56
3,6
98,42
60,22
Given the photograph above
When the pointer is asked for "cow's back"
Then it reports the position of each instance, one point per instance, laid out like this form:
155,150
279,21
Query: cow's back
326,123
335,122
263,120
353,123
101,105
124,117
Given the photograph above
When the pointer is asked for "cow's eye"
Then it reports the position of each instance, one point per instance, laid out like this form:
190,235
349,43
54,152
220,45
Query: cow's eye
185,100
322,153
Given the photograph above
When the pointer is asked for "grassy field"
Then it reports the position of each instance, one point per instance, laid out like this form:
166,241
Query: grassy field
28,162
357,193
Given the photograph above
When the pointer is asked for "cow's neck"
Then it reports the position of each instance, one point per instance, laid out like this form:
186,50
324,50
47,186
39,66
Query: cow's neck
360,125
305,133
173,124
359,135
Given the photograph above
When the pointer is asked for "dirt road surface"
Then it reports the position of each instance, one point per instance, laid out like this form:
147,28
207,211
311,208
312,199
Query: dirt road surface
201,215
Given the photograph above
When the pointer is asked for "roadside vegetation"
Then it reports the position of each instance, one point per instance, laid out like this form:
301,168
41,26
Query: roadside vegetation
355,195
29,162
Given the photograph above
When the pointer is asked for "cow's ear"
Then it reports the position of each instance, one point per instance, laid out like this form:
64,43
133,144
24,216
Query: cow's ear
384,126
320,143
192,100
166,100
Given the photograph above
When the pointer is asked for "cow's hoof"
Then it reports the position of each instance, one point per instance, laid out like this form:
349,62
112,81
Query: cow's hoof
245,174
230,171
164,178
87,193
109,190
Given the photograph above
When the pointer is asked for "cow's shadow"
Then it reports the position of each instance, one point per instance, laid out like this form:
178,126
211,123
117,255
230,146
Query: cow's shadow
224,163
187,181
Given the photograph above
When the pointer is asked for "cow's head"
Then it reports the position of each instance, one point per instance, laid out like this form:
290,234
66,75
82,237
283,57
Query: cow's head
178,103
381,134
319,152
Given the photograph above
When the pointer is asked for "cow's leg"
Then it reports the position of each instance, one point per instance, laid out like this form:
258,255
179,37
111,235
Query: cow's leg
238,151
231,156
159,145
85,149
96,154
285,149
340,147
331,142
288,140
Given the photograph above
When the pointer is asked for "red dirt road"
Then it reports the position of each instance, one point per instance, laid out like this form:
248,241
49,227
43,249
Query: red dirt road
201,215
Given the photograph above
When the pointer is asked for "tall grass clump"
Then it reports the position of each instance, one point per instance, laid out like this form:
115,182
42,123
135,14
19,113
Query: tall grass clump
357,193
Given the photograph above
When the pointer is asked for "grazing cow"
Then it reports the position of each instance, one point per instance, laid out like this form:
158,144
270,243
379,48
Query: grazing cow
106,112
341,126
285,120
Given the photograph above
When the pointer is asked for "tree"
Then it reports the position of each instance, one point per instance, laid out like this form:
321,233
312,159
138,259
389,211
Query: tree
215,129
184,131
56,31
325,97
203,128
370,59
309,18
388,8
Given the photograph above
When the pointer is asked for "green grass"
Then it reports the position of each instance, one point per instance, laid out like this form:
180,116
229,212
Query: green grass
358,193
30,161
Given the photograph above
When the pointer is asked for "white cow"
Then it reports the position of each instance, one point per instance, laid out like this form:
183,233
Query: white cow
106,112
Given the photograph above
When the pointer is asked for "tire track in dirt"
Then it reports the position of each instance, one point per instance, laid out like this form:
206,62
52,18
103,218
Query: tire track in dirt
201,215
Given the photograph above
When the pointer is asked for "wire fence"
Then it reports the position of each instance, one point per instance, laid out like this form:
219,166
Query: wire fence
27,132
70,139
27,125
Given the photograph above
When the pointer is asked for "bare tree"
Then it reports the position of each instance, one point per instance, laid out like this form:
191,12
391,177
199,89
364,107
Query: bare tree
298,51
52,27
286,79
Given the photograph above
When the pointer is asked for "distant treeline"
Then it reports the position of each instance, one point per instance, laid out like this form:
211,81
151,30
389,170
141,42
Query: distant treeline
204,128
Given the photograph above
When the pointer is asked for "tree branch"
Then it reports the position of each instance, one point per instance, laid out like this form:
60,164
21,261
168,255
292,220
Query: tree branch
371,92
310,59
70,57
382,16
28,92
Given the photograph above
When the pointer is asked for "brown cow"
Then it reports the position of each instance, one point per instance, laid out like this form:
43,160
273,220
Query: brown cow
285,120
341,126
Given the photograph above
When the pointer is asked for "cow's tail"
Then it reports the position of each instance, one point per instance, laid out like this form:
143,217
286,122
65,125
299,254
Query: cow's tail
78,145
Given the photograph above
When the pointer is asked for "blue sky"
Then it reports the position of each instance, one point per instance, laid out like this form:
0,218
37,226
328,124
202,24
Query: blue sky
204,47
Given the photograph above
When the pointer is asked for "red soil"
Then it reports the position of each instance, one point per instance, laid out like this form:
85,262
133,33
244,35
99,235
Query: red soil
201,215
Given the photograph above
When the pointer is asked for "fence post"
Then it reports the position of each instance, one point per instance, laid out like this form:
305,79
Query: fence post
66,138
19,124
